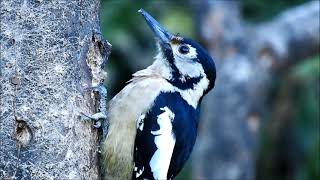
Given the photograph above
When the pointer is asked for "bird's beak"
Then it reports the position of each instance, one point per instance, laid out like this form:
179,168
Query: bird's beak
164,36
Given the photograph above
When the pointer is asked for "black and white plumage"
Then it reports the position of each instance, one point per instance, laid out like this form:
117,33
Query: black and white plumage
165,138
153,121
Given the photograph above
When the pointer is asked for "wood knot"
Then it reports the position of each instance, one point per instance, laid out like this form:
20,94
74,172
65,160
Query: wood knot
23,133
15,80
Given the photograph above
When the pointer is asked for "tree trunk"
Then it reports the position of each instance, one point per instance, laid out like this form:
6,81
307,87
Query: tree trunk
246,58
50,52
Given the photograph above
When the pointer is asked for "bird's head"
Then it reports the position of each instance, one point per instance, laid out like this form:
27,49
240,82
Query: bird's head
184,62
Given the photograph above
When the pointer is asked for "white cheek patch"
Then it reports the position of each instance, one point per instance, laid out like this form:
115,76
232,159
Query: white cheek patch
186,64
191,55
189,69
192,96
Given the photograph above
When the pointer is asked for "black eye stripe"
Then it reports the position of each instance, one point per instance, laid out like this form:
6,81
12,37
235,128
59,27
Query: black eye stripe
184,49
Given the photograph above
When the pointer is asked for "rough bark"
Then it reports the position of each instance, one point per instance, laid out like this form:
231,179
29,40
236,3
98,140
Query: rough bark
247,56
50,52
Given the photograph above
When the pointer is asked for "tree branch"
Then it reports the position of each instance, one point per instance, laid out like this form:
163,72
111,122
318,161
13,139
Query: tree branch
291,36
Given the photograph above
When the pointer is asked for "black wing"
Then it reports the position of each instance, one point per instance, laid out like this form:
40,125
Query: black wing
153,143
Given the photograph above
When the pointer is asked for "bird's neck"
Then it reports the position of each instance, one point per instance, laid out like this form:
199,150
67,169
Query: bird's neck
161,67
194,95
191,89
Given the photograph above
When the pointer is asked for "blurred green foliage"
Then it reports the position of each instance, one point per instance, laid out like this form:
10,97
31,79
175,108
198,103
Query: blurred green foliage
290,146
306,121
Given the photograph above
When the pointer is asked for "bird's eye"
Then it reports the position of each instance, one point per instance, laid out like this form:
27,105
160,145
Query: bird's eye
184,49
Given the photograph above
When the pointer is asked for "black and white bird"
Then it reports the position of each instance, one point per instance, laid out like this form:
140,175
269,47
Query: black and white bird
153,121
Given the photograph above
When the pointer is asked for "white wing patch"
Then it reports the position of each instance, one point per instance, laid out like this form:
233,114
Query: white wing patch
165,141
138,174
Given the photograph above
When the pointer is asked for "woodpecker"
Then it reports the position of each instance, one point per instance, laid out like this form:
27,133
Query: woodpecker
153,120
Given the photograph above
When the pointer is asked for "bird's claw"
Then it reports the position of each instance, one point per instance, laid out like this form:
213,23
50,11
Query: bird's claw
96,118
99,118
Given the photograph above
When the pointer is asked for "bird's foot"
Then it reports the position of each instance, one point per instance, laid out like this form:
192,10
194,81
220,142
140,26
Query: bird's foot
99,121
97,118
100,118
